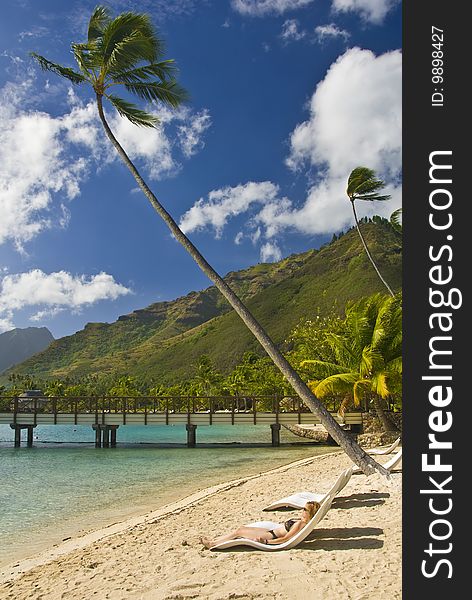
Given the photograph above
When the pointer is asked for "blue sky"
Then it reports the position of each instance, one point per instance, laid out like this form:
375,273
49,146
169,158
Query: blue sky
286,97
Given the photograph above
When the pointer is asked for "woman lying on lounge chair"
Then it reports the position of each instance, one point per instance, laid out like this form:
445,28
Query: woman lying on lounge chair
278,535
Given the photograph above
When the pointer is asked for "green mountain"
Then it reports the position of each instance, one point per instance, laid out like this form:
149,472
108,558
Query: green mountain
166,339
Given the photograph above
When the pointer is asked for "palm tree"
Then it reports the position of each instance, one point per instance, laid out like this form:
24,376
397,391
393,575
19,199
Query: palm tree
127,51
363,185
207,380
395,220
367,361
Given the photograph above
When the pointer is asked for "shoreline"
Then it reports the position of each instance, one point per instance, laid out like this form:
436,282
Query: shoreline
156,485
150,555
17,568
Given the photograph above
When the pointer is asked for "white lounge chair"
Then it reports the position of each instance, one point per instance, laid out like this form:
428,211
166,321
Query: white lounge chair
291,543
389,450
389,465
299,499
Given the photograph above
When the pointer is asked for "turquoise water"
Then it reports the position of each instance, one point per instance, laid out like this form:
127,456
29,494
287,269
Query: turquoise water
64,486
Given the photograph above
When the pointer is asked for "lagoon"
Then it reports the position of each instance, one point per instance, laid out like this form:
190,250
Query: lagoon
64,486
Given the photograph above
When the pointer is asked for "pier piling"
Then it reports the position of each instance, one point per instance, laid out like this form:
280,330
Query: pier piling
275,431
98,436
191,435
105,435
29,434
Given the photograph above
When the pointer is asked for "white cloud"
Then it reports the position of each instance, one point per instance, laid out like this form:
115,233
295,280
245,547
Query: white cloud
45,159
370,11
324,32
150,145
155,147
291,31
191,133
373,11
325,210
34,32
35,167
270,252
355,119
355,116
6,324
257,8
225,203
256,235
51,293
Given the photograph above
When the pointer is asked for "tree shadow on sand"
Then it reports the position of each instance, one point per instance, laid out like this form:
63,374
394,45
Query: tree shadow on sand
360,500
343,538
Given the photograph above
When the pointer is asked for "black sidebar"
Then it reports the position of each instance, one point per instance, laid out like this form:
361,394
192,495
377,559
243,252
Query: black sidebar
437,408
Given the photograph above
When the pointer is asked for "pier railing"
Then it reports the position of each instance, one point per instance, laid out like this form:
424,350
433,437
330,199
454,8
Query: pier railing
151,405
106,413
156,409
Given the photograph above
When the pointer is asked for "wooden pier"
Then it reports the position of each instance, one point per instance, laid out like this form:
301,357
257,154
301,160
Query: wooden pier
106,414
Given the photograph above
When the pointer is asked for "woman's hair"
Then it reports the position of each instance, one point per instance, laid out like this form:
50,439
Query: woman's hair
312,506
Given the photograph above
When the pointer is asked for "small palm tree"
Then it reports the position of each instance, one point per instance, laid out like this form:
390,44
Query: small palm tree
207,380
367,356
363,185
126,51
396,220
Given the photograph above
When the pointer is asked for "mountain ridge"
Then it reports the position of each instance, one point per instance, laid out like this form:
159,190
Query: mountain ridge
163,340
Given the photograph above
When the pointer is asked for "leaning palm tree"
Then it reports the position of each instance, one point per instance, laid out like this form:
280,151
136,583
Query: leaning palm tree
363,185
127,51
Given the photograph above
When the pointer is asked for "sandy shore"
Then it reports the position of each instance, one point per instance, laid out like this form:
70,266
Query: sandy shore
355,553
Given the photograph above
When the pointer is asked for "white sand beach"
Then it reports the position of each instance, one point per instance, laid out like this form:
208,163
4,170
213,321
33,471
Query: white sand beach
354,553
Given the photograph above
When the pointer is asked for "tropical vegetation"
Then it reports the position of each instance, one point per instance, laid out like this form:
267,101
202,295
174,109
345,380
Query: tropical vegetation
360,358
354,360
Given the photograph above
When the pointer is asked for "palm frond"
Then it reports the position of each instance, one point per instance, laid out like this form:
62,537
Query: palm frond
360,388
372,361
395,220
379,385
128,53
364,185
371,197
167,92
123,29
323,368
100,17
341,347
163,70
336,384
132,112
395,365
86,58
47,65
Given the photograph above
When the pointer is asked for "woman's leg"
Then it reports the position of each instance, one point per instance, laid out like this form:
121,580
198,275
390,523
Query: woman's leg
251,533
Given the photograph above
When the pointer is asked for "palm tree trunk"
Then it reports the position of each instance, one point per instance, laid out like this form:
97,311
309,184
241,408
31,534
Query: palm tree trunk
385,421
352,449
367,251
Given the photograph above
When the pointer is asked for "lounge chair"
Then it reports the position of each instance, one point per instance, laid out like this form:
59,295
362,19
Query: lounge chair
301,498
389,465
389,450
291,543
